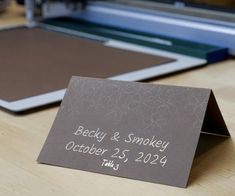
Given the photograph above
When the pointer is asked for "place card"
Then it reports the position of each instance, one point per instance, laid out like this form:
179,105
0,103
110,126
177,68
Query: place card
142,131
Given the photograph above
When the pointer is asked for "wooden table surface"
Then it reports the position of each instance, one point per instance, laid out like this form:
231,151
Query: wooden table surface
22,137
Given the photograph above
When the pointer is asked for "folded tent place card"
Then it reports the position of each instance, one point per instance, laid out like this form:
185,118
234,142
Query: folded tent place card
141,131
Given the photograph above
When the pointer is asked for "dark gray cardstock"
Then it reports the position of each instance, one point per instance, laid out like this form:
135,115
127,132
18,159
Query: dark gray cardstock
136,130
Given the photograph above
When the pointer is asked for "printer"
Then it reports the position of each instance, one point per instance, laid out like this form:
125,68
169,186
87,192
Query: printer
203,21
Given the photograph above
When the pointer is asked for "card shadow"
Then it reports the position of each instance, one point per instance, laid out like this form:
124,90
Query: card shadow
208,143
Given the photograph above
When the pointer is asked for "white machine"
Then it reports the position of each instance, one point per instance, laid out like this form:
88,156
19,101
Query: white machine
204,21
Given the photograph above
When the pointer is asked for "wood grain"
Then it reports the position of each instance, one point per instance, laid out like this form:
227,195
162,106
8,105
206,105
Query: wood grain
13,15
22,137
